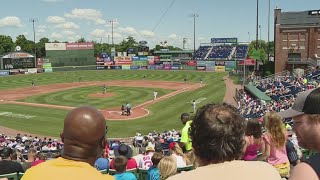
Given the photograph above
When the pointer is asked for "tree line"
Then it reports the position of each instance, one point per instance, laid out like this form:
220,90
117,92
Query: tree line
8,45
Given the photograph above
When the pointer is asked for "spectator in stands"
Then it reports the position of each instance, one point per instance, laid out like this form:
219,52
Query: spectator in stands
275,144
218,139
145,162
306,124
120,163
84,136
153,171
177,154
125,150
41,159
253,140
167,167
102,164
7,165
185,141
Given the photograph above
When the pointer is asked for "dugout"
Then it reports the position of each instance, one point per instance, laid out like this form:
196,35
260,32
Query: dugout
17,60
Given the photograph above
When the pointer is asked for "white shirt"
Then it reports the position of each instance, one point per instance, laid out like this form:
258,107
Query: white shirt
180,161
155,94
145,162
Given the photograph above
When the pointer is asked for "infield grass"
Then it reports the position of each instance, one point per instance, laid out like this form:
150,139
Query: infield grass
163,115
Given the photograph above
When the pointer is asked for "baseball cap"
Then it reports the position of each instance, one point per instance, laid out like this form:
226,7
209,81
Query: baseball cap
124,150
307,102
101,164
171,145
149,148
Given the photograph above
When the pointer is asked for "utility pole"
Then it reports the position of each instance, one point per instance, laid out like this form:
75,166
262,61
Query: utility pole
194,34
33,20
257,33
268,51
260,36
112,21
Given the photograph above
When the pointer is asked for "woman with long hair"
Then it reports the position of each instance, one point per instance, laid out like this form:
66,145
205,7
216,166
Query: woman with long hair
275,144
167,167
177,153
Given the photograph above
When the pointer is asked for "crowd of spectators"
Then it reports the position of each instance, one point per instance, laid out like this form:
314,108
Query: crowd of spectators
223,52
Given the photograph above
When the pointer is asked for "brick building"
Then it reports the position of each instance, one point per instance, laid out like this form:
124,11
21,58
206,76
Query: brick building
297,39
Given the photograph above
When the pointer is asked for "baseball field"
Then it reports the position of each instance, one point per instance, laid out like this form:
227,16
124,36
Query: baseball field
41,109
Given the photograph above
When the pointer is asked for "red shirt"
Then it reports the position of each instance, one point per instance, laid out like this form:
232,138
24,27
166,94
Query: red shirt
132,164
37,162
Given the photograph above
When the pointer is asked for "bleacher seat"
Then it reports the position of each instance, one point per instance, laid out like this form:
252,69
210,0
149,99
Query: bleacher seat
11,176
186,168
143,174
104,171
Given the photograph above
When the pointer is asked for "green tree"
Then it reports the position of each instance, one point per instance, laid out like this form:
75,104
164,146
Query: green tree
6,44
41,50
26,45
81,40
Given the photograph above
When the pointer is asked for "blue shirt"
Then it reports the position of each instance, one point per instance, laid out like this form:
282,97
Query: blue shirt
153,173
125,176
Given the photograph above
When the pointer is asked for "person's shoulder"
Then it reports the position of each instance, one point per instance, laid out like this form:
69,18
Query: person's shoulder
263,168
303,171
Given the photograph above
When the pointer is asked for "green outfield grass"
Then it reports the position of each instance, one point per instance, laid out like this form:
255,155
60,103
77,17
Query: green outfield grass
80,96
163,115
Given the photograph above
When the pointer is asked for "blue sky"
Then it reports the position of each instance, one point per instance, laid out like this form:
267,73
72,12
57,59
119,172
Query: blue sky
68,20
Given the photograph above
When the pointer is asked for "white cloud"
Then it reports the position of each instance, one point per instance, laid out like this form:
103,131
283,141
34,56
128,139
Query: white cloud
56,36
25,33
98,33
41,29
56,20
100,21
147,33
115,35
10,21
172,36
128,30
88,14
73,38
68,25
69,33
115,23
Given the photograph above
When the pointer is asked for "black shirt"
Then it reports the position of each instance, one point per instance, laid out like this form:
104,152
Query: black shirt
7,167
314,162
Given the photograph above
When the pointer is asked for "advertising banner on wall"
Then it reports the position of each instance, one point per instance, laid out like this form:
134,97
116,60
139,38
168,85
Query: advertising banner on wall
32,71
55,46
134,67
4,73
201,68
167,67
224,40
143,58
201,63
124,60
100,67
219,63
79,46
152,67
156,58
140,63
126,67
220,68
230,65
192,63
175,67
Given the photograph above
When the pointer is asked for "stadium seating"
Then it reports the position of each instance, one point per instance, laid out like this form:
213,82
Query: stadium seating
143,174
222,52
11,176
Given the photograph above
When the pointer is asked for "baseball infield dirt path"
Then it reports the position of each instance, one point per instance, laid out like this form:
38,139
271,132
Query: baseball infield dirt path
230,91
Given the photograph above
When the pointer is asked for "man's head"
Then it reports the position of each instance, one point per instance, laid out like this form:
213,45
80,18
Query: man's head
6,153
306,118
84,134
120,164
217,134
156,158
185,117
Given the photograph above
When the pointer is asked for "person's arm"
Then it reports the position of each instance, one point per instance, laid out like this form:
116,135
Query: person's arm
303,171
266,152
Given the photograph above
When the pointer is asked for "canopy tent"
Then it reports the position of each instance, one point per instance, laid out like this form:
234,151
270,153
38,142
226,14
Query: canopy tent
248,62
257,93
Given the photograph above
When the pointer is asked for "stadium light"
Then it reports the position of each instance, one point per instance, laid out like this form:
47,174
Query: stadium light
194,34
34,20
112,22
268,32
257,29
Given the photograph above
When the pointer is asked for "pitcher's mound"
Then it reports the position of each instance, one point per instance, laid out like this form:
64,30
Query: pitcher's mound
101,95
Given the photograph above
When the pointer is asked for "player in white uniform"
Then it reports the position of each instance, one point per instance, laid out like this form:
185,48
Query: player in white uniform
155,93
194,106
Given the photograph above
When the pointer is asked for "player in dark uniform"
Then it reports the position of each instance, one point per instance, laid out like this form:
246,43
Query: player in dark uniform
185,79
32,83
104,89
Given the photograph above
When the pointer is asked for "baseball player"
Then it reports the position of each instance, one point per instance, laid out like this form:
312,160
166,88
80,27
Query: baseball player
185,79
33,84
155,93
194,106
104,89
201,81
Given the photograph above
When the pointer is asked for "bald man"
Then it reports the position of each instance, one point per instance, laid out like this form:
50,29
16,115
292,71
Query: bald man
84,136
